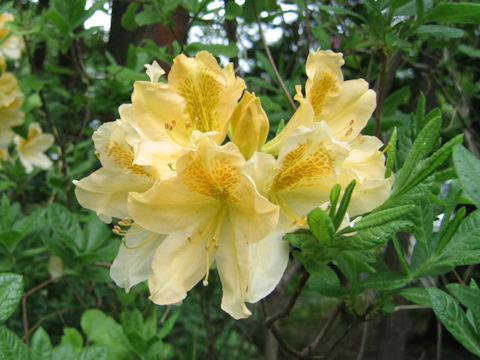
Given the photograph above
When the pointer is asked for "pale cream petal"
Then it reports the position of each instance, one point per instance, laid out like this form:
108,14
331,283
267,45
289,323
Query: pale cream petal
261,167
232,264
369,195
160,156
154,71
268,260
304,116
160,111
348,113
178,265
106,191
133,265
210,92
39,143
37,159
168,207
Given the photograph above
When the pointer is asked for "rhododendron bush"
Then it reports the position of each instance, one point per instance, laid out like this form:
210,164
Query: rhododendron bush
184,183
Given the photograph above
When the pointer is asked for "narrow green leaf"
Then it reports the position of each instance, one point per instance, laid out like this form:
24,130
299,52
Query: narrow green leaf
168,325
426,140
451,229
383,217
334,196
342,209
454,319
386,280
468,297
230,50
440,31
463,13
11,289
400,254
419,119
417,295
464,247
467,167
391,151
321,270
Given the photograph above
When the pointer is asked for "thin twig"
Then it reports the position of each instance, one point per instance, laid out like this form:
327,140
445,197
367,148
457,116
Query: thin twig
270,58
411,307
311,348
293,299
439,340
361,351
274,329
381,90
42,319
460,280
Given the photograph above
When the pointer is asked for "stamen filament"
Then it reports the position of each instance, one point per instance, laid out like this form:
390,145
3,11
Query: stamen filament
146,241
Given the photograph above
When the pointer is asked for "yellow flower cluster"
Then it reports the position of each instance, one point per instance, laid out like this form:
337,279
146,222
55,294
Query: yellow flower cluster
30,150
187,169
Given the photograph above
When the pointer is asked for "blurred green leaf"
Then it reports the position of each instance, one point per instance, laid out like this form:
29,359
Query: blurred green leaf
41,347
11,347
440,31
463,13
11,289
103,330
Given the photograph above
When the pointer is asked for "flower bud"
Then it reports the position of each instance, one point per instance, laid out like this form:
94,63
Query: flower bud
249,125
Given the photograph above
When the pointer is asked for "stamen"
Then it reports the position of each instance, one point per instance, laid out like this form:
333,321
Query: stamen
212,242
296,220
146,241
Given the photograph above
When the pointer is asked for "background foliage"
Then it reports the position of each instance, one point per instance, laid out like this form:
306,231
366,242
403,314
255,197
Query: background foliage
365,295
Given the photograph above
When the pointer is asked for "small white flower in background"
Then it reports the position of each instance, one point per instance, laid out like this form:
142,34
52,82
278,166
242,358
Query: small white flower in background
31,150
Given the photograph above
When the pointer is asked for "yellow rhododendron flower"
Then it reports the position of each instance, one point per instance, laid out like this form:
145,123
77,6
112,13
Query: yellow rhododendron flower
10,45
199,96
11,100
346,106
31,150
123,169
211,212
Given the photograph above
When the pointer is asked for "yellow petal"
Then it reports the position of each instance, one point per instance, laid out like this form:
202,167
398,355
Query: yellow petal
249,125
304,116
210,92
133,263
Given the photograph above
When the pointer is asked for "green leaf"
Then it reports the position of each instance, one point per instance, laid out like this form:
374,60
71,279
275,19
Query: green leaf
128,18
64,225
72,336
60,21
230,50
424,143
41,347
147,17
464,247
334,197
168,325
232,10
448,310
104,330
391,151
386,280
468,297
6,223
342,209
417,295
321,226
440,31
94,353
467,167
463,13
11,347
11,289
321,270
